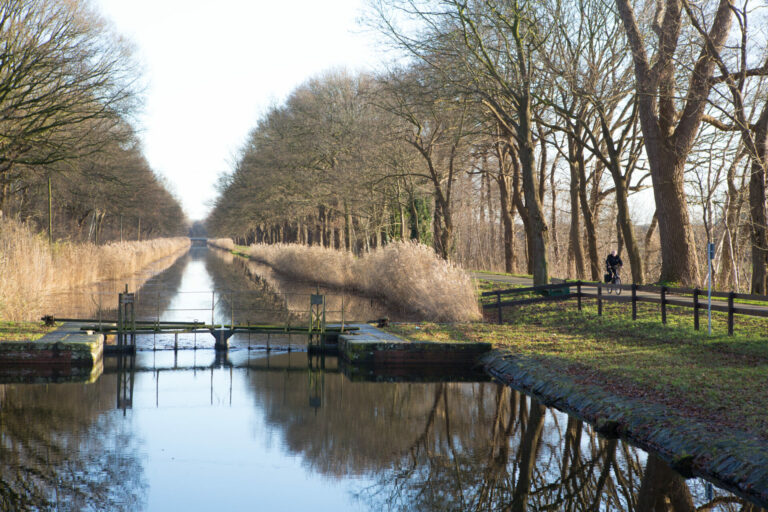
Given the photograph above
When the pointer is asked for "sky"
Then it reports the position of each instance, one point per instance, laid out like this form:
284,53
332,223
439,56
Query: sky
212,68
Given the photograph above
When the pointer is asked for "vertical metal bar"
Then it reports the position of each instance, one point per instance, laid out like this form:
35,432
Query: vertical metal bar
599,299
634,301
731,296
213,306
696,293
664,304
119,319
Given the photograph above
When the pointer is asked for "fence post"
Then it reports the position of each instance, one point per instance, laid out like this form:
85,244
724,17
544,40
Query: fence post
498,304
664,304
696,293
599,299
731,296
578,293
634,301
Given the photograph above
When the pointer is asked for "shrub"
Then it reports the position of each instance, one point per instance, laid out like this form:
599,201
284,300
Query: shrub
403,273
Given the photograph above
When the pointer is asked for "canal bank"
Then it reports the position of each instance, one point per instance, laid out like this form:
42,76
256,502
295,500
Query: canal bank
732,459
697,401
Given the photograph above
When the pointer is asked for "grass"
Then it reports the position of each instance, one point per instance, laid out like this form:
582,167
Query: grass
23,331
31,267
719,379
402,273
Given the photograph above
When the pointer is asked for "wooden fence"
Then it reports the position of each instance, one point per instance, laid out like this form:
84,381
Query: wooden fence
684,297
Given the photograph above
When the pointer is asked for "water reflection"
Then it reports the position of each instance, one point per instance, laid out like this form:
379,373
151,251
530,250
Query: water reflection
127,442
61,450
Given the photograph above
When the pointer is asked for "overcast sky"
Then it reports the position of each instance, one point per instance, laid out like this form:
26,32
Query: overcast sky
213,67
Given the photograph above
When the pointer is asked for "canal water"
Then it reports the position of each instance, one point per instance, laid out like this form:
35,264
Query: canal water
278,430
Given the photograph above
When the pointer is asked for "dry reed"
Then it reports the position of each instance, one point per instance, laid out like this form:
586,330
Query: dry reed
30,268
403,273
222,243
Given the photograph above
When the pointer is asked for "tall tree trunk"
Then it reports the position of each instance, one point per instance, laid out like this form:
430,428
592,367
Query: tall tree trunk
757,206
539,233
728,277
626,230
575,250
586,211
668,130
507,220
553,223
517,198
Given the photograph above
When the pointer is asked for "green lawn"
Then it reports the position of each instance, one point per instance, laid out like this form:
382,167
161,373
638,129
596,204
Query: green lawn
23,331
720,378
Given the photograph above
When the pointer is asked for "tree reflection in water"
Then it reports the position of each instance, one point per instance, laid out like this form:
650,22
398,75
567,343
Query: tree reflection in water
483,446
537,459
60,451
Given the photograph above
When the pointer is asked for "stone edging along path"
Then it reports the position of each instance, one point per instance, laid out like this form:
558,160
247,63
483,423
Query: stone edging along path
733,460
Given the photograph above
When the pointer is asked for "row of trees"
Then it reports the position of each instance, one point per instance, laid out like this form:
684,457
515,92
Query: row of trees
68,89
541,115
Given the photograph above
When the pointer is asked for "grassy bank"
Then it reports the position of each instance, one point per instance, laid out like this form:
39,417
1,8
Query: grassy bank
31,268
718,379
404,274
23,331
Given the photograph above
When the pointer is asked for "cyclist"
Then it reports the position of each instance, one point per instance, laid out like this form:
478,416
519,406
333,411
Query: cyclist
613,264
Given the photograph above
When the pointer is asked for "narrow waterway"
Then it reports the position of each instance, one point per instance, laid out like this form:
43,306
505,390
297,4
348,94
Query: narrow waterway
257,430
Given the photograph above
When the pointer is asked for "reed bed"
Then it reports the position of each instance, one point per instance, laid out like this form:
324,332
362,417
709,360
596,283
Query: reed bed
222,243
402,273
30,268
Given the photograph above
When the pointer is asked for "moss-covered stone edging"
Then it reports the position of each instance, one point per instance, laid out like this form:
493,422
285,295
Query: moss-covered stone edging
733,460
65,347
371,346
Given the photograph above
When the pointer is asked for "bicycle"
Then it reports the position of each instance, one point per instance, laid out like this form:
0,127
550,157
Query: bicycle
614,285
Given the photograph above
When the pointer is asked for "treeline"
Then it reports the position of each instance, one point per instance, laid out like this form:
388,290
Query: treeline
516,134
69,157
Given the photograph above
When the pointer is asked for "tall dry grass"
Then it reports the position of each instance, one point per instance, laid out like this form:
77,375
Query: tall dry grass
30,268
222,243
403,273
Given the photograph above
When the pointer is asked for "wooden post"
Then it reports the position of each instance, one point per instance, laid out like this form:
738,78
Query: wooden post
696,293
634,301
664,304
578,293
599,299
731,296
498,304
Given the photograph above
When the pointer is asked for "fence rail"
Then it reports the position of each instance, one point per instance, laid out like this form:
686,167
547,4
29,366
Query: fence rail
682,297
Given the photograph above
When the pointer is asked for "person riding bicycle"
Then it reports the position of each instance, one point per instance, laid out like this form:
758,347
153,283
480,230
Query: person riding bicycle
612,265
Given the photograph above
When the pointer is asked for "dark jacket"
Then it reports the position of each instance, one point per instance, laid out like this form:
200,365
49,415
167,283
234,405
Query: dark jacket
613,261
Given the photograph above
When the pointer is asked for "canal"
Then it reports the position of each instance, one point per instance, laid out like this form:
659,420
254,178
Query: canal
251,429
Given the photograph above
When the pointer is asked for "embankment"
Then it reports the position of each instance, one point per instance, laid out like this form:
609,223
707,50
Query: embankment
401,273
733,459
31,268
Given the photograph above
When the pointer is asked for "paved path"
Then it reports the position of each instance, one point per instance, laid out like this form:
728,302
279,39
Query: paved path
590,290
